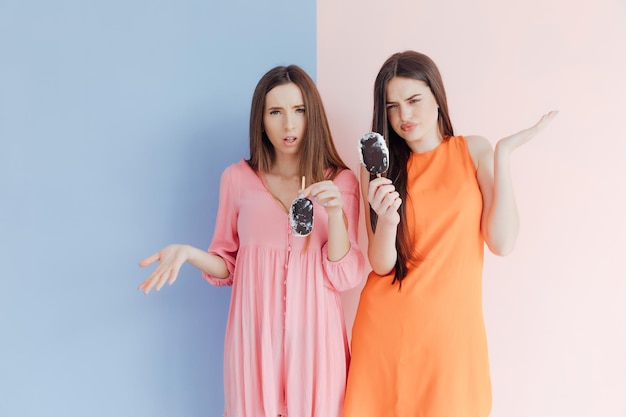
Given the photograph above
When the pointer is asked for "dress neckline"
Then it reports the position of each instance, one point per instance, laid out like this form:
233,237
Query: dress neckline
431,151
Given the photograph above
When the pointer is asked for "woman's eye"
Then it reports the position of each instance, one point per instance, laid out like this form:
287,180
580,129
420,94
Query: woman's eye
274,112
413,101
301,110
391,107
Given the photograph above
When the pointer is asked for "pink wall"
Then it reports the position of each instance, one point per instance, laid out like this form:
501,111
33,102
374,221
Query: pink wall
555,309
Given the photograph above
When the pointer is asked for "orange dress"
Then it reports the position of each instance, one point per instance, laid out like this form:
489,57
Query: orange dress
421,351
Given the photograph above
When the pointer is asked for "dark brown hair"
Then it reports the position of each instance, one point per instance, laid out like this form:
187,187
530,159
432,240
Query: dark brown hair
417,66
319,159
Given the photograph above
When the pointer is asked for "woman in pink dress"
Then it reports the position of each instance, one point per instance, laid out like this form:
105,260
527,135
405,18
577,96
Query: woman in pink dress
286,351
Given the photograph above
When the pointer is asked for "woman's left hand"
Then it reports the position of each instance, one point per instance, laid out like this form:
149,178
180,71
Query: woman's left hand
325,193
518,139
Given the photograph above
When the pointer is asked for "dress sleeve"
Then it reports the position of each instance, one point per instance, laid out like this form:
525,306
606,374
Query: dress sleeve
347,272
225,241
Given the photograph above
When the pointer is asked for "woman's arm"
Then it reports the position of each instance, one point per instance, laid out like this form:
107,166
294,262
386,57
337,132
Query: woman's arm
217,263
382,197
500,219
171,258
327,194
342,260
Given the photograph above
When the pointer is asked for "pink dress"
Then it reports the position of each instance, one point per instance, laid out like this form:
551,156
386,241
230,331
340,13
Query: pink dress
286,348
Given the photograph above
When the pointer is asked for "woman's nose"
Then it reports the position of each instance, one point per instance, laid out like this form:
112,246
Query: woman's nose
289,121
406,113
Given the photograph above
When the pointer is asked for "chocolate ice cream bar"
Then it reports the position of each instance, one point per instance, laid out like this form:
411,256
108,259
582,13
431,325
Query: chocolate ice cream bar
301,215
373,153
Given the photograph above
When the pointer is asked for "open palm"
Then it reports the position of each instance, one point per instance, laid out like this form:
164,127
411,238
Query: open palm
170,259
520,138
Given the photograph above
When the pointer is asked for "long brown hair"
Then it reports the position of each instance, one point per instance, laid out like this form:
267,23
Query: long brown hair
417,66
319,159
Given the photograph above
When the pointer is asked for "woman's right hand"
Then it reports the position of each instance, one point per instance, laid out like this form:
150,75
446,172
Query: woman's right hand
384,200
170,259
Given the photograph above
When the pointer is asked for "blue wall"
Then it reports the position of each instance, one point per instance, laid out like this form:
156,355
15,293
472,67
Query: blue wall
116,120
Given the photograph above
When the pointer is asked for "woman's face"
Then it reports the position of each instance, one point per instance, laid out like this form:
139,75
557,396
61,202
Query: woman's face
412,111
284,118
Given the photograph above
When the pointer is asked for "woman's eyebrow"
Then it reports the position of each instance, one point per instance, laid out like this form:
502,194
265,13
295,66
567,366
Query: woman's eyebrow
409,98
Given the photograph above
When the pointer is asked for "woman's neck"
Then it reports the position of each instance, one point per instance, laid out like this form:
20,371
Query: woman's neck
286,168
426,143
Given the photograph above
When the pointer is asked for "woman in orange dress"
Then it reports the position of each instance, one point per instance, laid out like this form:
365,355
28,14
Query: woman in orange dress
419,347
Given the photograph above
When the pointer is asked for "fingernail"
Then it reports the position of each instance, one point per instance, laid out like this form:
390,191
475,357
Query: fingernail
325,204
314,198
300,195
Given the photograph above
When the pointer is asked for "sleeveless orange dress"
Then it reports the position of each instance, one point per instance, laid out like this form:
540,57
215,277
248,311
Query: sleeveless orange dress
421,351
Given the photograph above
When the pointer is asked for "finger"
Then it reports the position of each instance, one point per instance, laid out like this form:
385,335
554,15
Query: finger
382,192
172,279
165,278
151,282
148,287
383,207
552,114
316,189
325,196
375,185
391,198
149,260
162,280
547,118
305,192
374,199
389,202
148,283
380,181
376,189
312,188
142,285
391,208
396,204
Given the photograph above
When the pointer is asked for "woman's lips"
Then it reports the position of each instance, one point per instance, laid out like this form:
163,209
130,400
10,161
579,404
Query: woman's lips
407,127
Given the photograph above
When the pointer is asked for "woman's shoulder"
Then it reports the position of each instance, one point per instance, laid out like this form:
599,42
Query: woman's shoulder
345,176
475,141
347,182
237,174
239,168
478,147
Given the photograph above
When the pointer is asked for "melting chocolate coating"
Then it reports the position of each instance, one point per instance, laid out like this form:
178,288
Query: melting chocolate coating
301,216
374,153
